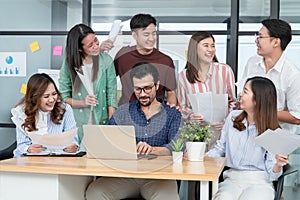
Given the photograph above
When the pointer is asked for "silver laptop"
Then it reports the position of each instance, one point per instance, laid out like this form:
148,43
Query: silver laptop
110,142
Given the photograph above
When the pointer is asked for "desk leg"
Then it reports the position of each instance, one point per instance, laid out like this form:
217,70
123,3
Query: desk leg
28,186
215,186
204,190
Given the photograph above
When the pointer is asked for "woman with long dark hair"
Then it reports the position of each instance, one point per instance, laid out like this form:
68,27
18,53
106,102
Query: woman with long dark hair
87,79
252,168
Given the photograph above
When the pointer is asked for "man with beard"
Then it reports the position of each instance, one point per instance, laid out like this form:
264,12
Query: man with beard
156,125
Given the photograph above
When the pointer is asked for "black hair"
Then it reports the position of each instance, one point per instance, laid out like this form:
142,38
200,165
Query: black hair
143,69
279,29
141,21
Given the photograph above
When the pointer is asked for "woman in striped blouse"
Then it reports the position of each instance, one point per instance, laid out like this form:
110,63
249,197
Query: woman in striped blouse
203,73
41,111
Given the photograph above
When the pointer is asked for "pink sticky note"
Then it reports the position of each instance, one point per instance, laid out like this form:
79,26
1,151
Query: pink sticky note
57,50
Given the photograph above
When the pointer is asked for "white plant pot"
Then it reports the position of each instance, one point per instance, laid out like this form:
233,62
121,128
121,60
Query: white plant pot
177,156
195,150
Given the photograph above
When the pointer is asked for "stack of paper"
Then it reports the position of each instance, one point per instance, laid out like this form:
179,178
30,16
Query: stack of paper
54,141
213,107
115,29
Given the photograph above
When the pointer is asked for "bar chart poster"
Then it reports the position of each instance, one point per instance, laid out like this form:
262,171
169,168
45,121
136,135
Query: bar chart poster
12,64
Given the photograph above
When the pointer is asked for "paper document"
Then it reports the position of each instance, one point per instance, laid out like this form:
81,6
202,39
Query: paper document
278,141
86,80
213,107
115,29
54,142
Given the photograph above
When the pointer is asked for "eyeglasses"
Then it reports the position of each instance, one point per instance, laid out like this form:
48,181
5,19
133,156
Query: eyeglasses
146,89
260,36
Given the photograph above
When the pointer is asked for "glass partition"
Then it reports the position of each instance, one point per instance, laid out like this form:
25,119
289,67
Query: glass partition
37,15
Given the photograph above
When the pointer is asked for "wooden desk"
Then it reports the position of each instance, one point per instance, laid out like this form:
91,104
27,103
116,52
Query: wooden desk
65,178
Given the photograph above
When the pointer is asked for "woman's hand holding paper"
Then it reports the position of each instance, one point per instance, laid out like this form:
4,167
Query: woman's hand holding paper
71,148
106,45
91,100
281,160
218,125
35,148
196,117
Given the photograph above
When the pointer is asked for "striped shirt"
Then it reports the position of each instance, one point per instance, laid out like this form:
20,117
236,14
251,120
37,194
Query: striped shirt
240,149
220,80
68,123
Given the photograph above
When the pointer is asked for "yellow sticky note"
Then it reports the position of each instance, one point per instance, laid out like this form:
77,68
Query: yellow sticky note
34,46
23,88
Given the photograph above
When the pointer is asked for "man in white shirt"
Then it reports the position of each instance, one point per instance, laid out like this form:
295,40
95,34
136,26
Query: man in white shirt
271,41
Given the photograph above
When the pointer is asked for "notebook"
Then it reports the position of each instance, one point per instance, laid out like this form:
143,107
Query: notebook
111,142
57,154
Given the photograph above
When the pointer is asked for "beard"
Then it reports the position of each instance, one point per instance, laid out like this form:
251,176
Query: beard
143,102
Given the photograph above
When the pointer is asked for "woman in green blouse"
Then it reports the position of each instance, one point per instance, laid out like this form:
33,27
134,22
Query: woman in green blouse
87,79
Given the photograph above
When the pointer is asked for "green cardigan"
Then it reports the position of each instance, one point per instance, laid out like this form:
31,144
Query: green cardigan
105,87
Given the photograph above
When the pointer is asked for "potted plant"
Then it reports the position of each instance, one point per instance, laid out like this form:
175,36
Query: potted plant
196,137
177,152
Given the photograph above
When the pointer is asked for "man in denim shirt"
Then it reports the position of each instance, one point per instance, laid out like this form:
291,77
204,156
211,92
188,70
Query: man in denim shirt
156,125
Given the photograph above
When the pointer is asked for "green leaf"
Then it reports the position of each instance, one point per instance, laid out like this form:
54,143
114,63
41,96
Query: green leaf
194,131
177,145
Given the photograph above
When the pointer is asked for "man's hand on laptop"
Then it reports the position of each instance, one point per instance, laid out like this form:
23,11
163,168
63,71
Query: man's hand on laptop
143,148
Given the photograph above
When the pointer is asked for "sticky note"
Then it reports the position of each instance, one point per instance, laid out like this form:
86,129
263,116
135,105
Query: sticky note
34,46
23,88
57,50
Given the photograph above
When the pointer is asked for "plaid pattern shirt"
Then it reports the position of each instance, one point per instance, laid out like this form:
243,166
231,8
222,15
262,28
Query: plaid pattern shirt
159,130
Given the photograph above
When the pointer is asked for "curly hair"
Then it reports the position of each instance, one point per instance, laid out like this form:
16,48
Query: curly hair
36,86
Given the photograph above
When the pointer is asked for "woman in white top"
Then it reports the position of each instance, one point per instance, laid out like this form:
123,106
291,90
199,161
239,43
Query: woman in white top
252,168
41,111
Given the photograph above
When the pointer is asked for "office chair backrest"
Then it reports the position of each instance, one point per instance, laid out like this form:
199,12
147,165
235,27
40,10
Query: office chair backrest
7,140
278,185
8,152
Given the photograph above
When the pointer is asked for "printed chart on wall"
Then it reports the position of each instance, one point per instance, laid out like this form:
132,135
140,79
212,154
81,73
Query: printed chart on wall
12,64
